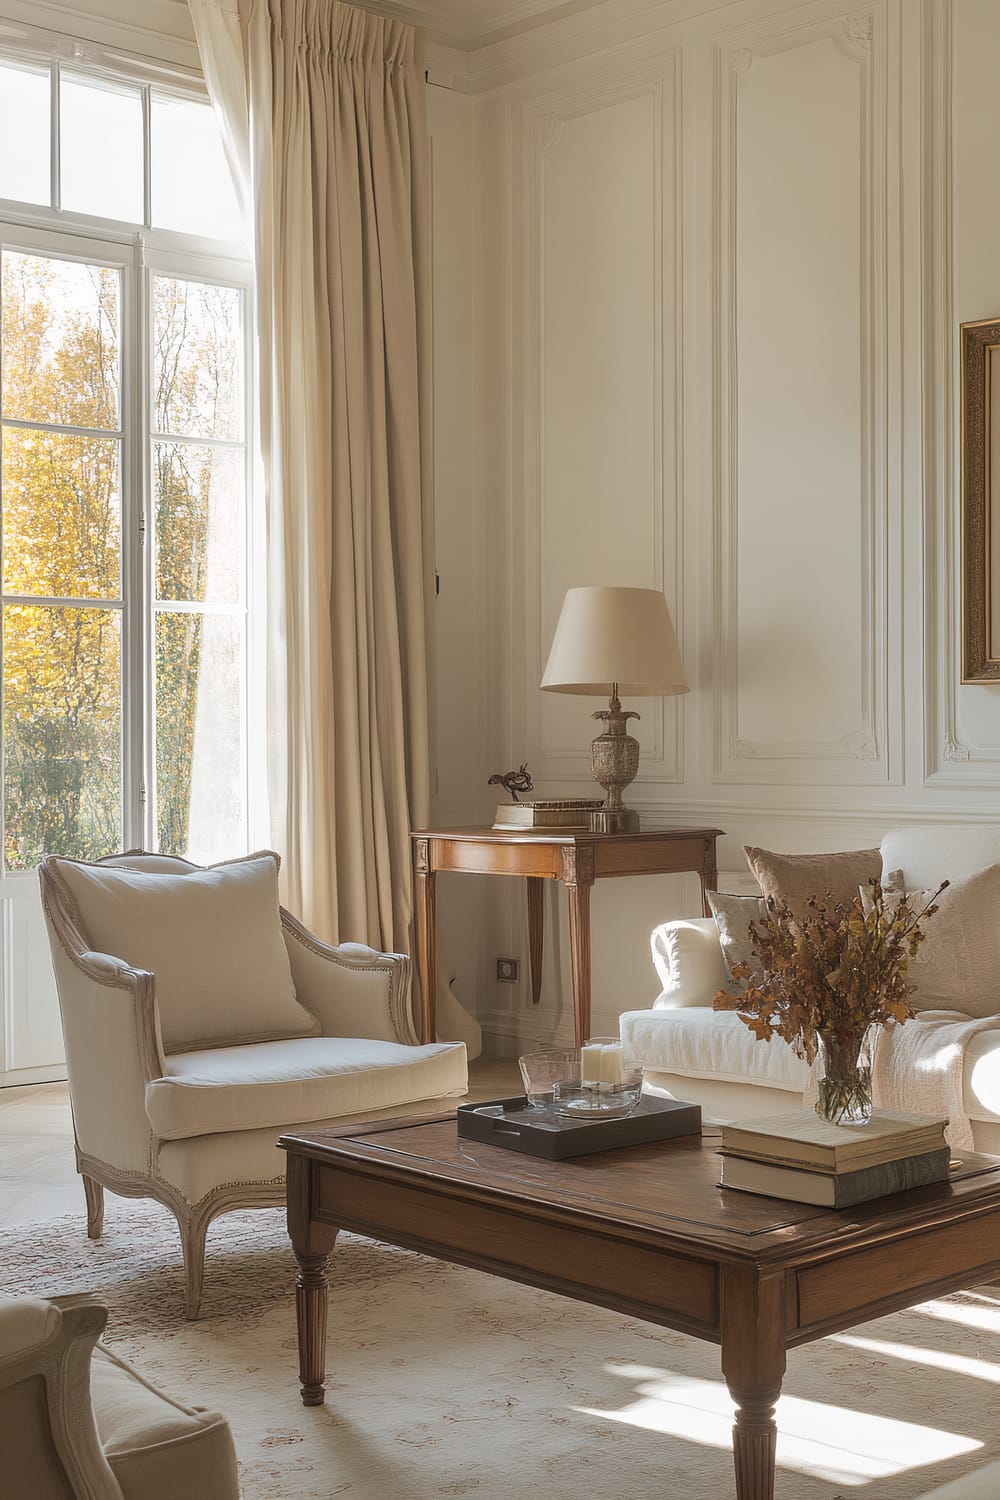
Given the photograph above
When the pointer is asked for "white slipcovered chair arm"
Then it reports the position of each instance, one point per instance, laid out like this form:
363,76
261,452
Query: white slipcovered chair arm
352,990
52,1341
687,956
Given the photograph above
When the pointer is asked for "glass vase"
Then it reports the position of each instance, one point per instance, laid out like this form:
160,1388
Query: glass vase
844,1066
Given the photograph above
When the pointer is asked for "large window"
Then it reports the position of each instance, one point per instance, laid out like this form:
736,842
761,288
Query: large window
126,528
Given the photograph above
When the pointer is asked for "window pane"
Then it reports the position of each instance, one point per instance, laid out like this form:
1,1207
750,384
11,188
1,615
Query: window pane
199,523
196,202
62,733
61,336
61,514
25,118
198,359
100,142
200,797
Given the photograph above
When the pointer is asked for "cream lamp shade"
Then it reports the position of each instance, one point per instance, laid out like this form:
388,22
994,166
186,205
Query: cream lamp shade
609,636
612,641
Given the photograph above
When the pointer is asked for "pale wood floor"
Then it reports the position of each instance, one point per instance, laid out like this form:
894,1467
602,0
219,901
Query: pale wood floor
38,1178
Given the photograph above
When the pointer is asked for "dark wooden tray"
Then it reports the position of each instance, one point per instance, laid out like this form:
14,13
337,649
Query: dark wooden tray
518,1126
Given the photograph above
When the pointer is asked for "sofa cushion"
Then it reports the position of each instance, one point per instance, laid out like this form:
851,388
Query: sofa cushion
278,1084
950,851
212,937
704,1043
157,1448
793,878
957,966
733,915
687,957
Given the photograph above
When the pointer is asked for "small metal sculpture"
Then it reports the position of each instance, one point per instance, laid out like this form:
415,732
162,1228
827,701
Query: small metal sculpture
514,781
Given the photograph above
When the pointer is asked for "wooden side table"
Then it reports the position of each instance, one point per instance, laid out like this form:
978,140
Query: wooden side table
575,857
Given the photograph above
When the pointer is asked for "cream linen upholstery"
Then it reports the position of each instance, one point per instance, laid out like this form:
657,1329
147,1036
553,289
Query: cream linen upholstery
691,1051
315,1078
157,1448
697,1041
983,1485
953,851
689,962
195,1127
77,1424
211,936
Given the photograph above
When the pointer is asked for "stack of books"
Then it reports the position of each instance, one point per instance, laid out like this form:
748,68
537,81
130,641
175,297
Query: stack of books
801,1157
564,812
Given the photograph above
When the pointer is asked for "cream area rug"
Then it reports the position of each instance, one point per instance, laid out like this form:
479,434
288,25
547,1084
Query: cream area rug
448,1382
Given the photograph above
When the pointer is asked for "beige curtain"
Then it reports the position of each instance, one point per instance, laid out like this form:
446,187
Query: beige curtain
338,161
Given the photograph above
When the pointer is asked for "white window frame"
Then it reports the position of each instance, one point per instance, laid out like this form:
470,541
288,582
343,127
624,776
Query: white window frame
143,252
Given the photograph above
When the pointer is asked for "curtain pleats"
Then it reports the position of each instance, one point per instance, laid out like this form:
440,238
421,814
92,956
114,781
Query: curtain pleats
340,187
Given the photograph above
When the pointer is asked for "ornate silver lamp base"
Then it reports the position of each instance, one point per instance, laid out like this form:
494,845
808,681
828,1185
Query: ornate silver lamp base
614,760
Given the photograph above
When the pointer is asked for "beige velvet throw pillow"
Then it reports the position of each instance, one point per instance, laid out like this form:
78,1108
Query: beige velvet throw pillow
957,966
794,878
211,936
733,915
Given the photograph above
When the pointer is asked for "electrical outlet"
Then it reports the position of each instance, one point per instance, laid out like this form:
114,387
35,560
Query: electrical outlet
507,970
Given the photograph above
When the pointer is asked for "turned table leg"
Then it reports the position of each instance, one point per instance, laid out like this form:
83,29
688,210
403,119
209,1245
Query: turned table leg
312,1243
311,1302
753,1362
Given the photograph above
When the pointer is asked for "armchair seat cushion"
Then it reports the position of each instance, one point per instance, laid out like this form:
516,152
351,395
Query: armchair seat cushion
157,1448
278,1084
704,1043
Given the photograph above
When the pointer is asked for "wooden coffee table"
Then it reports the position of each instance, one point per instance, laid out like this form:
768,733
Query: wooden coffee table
646,1231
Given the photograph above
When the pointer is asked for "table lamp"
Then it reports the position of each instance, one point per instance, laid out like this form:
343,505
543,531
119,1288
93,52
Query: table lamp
611,641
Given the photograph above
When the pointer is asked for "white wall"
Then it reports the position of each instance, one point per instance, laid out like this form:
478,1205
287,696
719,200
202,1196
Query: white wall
726,264
698,275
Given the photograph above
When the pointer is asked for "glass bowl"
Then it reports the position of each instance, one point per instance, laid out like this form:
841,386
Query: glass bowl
602,1080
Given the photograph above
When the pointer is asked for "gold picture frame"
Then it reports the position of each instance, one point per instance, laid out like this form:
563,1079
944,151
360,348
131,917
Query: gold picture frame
981,501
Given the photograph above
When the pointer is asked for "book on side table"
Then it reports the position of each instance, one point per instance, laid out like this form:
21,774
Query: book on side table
803,1158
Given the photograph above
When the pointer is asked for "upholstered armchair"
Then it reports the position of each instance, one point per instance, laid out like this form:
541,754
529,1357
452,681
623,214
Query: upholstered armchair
201,1020
77,1423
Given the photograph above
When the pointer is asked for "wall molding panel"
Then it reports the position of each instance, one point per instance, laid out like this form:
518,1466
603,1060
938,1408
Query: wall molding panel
617,518
957,752
762,221
856,749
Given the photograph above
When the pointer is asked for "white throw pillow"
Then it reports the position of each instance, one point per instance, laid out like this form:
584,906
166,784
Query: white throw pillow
957,966
211,936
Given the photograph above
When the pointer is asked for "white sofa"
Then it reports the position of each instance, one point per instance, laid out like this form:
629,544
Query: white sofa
711,1058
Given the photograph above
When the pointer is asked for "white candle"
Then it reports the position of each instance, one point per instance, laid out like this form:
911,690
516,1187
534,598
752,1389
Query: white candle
591,1059
612,1063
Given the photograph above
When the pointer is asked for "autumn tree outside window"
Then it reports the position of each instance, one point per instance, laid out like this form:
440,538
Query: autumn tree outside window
127,532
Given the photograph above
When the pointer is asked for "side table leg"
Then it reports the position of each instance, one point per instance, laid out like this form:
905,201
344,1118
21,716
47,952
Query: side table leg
753,1362
426,914
709,875
578,892
536,932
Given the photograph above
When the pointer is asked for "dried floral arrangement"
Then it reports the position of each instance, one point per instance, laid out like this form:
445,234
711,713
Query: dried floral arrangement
832,973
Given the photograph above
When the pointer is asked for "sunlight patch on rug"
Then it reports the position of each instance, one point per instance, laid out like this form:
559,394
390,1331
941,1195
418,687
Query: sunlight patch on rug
854,1449
962,1364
